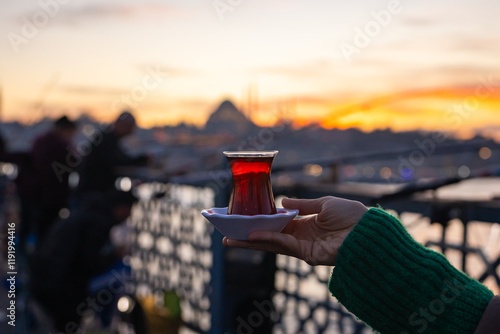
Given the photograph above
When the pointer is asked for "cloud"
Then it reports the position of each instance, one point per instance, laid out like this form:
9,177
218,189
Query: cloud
415,101
171,71
308,69
91,90
73,14
418,21
475,44
193,102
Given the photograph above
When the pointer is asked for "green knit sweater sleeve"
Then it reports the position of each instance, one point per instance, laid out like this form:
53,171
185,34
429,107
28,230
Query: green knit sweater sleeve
396,285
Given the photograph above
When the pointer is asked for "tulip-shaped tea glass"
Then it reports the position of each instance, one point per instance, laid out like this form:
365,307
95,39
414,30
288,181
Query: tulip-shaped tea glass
252,193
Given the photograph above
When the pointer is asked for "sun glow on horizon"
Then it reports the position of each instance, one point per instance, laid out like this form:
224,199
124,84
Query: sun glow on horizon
462,110
465,111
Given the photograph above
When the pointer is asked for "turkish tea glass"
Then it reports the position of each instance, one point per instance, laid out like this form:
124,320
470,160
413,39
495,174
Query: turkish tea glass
252,193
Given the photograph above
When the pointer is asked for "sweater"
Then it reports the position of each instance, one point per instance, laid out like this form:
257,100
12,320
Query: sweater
395,285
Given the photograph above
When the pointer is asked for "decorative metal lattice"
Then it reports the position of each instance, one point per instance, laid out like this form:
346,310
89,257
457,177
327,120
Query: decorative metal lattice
305,304
173,247
174,250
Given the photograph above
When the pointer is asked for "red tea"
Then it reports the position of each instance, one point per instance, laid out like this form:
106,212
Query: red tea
252,193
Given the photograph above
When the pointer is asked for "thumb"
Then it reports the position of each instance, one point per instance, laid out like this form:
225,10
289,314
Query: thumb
305,206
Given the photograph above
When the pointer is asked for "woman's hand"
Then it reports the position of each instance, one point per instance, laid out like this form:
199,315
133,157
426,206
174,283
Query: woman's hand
315,239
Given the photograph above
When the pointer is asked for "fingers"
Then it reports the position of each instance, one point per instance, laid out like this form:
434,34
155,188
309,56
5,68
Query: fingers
298,223
256,245
305,206
267,241
236,243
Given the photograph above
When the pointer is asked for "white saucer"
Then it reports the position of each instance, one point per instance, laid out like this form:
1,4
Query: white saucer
240,226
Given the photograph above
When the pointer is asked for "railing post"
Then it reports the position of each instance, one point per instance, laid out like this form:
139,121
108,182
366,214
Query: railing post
217,271
334,173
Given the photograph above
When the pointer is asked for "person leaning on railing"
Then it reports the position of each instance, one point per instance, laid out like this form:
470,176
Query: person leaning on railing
382,275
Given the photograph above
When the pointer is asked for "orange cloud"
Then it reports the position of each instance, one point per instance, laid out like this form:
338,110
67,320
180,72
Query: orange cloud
443,108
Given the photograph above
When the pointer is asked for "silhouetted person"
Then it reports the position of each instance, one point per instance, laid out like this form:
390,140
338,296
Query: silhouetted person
3,147
98,170
50,188
42,191
3,186
73,251
25,190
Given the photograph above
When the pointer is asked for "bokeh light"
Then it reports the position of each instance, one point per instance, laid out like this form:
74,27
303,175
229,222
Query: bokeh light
313,170
485,153
385,173
464,172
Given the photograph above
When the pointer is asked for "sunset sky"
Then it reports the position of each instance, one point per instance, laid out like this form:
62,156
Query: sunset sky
402,64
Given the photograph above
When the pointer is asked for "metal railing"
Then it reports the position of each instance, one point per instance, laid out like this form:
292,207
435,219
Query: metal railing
235,291
176,249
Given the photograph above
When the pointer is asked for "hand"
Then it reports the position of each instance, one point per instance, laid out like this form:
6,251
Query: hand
315,239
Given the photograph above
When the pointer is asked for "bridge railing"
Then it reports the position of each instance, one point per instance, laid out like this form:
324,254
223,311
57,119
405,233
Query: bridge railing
175,248
233,291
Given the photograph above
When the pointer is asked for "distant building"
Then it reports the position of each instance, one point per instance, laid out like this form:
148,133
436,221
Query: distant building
228,119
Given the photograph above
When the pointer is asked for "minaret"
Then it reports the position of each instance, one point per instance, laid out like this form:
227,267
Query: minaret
256,98
249,110
253,100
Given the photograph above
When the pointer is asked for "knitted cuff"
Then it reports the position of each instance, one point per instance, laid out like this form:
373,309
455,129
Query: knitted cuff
396,285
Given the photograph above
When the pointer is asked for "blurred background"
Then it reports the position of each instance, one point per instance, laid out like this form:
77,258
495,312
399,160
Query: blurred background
392,102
